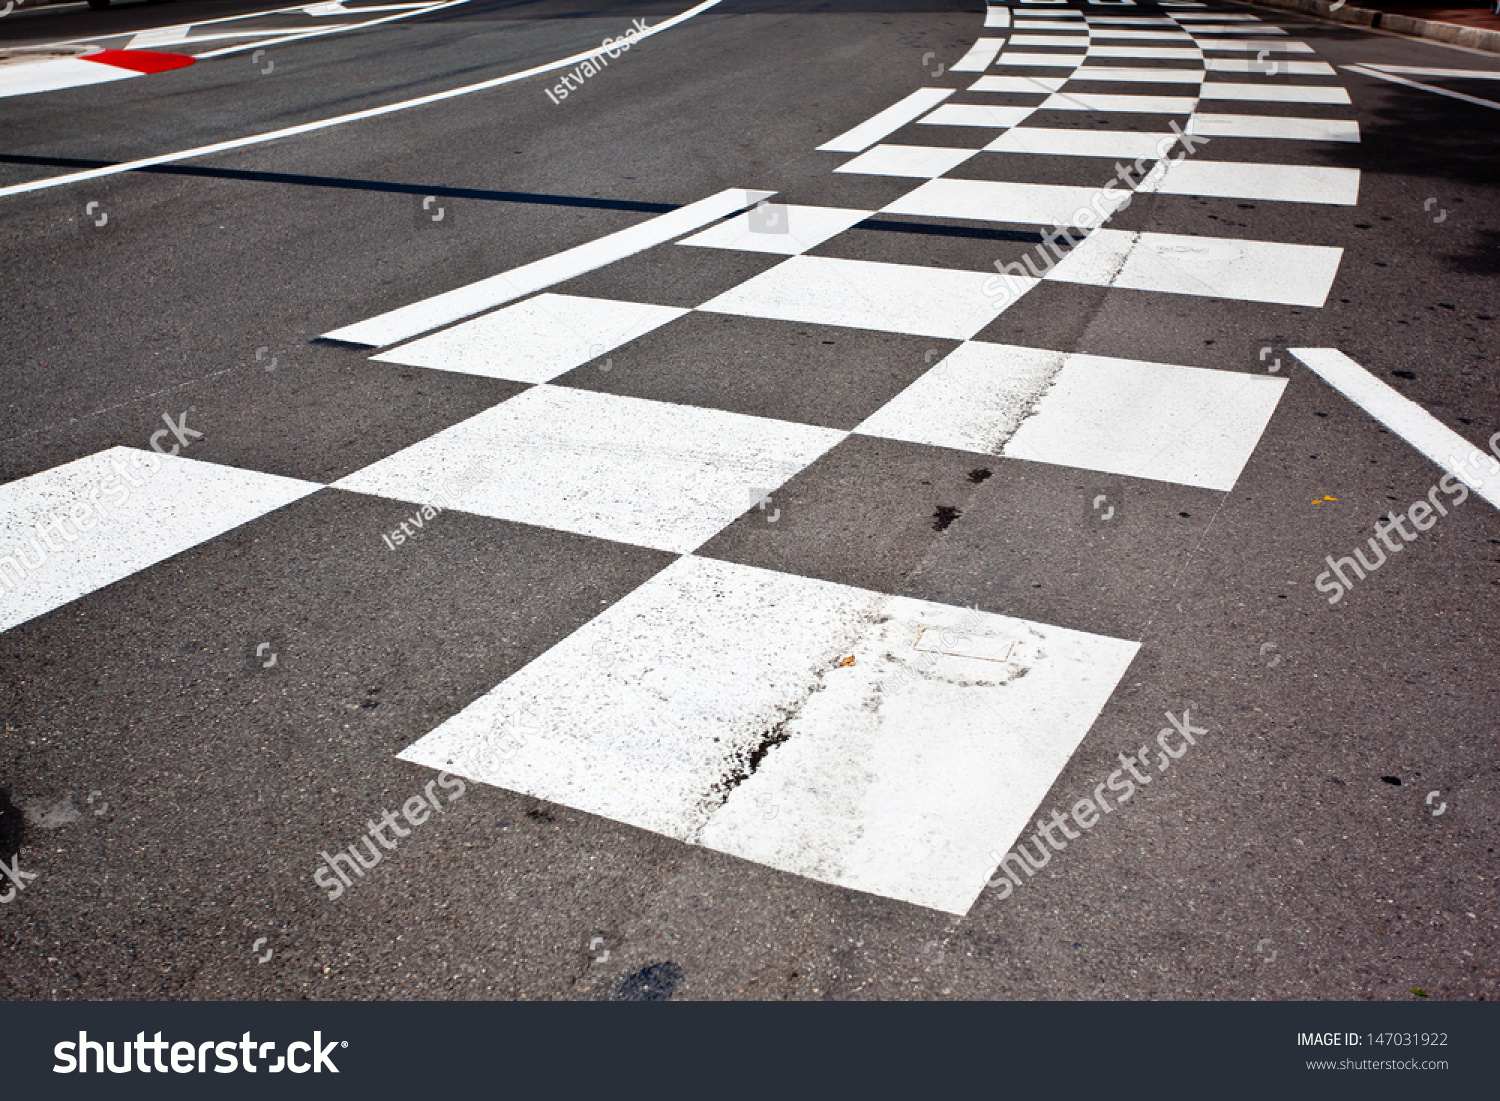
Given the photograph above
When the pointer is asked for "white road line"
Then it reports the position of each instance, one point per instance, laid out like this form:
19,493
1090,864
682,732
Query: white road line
898,774
978,59
1023,84
1273,127
1146,53
536,340
1106,74
998,201
339,28
1271,67
920,161
1274,93
887,122
1400,414
1103,101
1413,70
338,120
55,74
1287,183
1079,143
1424,87
977,114
1058,40
862,294
73,529
996,17
455,305
1229,45
1213,267
648,473
1056,61
787,229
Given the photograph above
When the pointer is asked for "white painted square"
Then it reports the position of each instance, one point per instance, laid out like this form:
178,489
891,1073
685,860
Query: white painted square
634,471
1276,127
758,230
140,508
996,201
898,774
535,340
980,55
1187,425
1274,93
1287,183
919,161
1036,85
1081,143
1214,267
861,294
1138,75
972,400
976,114
1101,101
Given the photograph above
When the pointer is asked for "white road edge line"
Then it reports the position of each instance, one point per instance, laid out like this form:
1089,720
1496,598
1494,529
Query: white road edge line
1362,71
427,314
887,122
339,120
1400,414
337,28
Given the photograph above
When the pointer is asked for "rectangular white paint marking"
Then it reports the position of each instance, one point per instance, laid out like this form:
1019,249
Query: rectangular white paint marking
140,508
1040,85
919,161
1256,68
996,17
486,294
1401,415
1414,70
977,114
1103,101
1186,425
1139,76
1213,267
1054,61
987,200
535,340
1076,42
787,229
861,294
1080,143
1145,53
1288,183
161,36
898,775
54,74
979,56
1275,45
1141,35
887,122
1025,24
1274,93
1273,127
634,471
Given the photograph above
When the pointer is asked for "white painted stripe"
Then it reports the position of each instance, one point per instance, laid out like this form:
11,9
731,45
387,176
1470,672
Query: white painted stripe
1252,271
1415,70
860,294
649,714
535,340
1139,76
979,56
338,28
1254,67
1023,24
1171,36
1424,87
1056,61
887,122
430,313
338,120
1101,101
1037,84
996,201
1254,45
1186,425
1402,416
921,161
1274,127
1130,21
996,17
1144,52
977,114
1216,17
1288,183
54,74
140,508
1275,93
1229,30
620,468
1058,40
161,36
1081,143
787,229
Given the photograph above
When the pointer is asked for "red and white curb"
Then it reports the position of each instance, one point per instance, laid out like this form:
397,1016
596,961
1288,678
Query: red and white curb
20,77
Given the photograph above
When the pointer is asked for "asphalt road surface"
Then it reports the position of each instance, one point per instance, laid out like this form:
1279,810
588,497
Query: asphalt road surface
484,518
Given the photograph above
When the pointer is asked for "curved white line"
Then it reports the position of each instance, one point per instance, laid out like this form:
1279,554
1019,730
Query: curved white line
339,120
